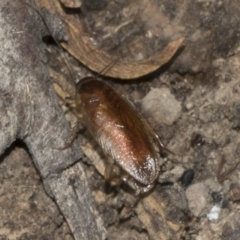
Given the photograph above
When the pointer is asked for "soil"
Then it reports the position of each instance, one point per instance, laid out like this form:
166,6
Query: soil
198,121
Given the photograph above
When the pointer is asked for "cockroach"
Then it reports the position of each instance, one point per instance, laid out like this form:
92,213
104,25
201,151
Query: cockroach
129,143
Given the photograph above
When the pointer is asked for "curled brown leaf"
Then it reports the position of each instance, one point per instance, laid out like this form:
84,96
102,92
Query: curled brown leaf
79,46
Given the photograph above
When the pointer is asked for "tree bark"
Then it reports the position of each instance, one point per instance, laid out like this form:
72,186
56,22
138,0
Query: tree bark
30,112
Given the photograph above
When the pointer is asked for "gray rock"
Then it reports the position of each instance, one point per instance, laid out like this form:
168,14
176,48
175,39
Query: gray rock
162,106
197,196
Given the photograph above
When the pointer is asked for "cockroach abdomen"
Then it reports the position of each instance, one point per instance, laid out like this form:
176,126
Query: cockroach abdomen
121,131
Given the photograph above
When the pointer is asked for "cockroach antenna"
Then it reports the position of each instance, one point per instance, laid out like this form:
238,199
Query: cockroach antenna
42,14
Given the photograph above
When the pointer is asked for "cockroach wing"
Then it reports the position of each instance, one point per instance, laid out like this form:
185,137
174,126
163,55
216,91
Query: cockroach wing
119,129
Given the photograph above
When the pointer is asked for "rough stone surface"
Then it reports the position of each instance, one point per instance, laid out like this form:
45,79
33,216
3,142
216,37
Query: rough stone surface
162,106
197,197
25,209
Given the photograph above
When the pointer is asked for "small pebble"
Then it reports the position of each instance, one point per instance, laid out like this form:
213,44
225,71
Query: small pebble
171,176
214,213
197,196
217,197
224,203
162,106
187,177
234,193
197,140
189,105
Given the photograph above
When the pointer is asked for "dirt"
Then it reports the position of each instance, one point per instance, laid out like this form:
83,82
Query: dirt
25,209
203,78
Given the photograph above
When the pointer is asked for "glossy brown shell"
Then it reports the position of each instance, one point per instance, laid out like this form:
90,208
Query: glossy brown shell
121,131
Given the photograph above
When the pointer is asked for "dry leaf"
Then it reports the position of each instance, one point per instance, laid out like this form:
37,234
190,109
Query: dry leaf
96,59
79,46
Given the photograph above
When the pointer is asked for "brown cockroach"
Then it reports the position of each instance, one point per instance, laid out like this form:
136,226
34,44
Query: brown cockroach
129,143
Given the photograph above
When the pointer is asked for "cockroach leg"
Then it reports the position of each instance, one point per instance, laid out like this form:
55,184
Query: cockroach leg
108,172
137,188
112,173
221,177
73,137
68,101
147,188
160,145
157,141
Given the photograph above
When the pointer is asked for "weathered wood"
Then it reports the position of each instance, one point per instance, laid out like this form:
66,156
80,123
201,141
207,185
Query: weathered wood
29,111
